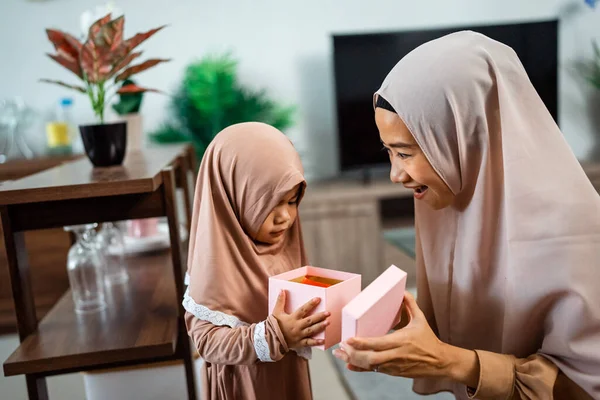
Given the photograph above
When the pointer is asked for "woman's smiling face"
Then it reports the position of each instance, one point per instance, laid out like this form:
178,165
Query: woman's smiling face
409,166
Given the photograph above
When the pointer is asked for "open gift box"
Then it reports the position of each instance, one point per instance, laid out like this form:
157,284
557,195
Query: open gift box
333,298
372,312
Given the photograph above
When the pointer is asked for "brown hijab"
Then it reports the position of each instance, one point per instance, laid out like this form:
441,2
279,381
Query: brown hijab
244,174
514,267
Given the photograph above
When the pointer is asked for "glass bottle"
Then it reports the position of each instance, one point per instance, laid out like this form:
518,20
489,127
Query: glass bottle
112,243
86,271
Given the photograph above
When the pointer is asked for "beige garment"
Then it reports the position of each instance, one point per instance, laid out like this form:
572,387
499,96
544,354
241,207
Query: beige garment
535,377
230,370
504,377
513,267
244,174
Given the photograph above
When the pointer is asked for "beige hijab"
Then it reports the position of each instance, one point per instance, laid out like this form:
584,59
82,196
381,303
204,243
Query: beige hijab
515,267
244,174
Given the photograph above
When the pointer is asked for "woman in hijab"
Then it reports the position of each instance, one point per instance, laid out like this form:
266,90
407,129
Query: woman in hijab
507,232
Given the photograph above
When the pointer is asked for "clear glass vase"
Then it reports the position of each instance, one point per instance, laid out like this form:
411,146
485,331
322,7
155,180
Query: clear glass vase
85,267
112,243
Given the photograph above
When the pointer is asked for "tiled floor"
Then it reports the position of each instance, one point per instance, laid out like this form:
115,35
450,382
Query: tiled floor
67,387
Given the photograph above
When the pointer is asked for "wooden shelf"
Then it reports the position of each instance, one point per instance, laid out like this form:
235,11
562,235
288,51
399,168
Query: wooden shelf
79,179
144,319
139,323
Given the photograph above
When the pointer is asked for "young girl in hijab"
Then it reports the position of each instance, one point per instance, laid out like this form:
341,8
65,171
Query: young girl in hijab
508,232
244,230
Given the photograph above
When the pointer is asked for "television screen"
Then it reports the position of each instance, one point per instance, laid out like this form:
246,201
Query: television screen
361,62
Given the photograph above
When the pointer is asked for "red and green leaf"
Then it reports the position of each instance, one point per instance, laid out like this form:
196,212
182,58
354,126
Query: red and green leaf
135,89
71,65
64,43
74,42
104,48
111,34
124,62
67,49
136,69
135,41
60,83
104,71
95,27
90,61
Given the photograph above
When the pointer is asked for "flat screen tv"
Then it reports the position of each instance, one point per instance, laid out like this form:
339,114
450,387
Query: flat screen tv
361,62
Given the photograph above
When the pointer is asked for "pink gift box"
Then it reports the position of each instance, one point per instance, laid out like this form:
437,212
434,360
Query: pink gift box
333,298
376,309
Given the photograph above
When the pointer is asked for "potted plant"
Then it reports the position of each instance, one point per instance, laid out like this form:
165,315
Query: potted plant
591,68
128,108
210,98
102,62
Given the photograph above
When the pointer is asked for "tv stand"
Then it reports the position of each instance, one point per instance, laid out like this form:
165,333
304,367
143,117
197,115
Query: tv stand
366,176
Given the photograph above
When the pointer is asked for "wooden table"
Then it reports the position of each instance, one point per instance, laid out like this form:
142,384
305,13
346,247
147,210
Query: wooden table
143,322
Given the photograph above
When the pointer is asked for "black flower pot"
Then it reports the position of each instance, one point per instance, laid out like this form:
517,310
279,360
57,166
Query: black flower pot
105,144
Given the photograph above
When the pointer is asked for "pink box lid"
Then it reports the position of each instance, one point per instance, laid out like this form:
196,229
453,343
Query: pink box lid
376,309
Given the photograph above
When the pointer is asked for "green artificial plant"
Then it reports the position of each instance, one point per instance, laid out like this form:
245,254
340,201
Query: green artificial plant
210,98
592,67
129,103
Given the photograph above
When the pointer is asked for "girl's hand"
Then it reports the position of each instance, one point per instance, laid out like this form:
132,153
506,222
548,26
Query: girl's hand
299,326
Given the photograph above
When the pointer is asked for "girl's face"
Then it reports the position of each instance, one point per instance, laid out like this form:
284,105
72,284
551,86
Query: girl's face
281,218
410,167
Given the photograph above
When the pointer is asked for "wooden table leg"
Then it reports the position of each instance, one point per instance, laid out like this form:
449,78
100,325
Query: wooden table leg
183,171
169,191
20,280
36,387
188,360
191,156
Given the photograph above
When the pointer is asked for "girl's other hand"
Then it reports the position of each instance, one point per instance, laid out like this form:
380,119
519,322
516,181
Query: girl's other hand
299,326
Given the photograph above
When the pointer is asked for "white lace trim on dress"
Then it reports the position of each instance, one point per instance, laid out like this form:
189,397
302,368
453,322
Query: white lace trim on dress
222,319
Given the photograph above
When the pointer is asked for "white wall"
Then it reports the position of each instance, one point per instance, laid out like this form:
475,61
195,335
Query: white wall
282,45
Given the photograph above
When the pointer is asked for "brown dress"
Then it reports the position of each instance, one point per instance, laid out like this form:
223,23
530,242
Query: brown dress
233,371
245,172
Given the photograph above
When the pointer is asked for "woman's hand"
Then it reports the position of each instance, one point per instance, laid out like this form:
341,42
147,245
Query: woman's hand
299,326
412,352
